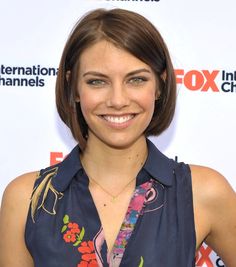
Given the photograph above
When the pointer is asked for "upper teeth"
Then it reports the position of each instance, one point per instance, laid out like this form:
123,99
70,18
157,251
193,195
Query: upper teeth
119,119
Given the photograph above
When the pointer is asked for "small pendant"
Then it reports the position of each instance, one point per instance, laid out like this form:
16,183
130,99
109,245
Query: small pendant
113,200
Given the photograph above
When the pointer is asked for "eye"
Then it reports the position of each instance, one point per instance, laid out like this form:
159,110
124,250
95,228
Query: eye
137,80
95,82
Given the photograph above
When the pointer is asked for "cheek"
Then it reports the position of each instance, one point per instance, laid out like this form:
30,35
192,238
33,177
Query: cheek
151,107
147,101
84,101
88,103
86,106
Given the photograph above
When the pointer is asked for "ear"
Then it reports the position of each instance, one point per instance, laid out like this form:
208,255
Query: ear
163,76
68,76
77,98
157,94
68,73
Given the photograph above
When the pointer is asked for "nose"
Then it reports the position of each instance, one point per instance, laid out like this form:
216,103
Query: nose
118,96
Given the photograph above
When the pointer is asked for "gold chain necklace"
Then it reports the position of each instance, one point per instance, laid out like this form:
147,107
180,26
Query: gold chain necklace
113,197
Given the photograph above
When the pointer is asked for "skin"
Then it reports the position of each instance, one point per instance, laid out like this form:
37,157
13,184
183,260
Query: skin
112,83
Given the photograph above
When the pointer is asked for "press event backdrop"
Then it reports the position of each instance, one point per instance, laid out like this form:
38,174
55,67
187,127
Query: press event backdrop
202,40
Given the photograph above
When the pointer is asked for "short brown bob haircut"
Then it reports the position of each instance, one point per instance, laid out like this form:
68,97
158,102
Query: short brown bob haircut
133,33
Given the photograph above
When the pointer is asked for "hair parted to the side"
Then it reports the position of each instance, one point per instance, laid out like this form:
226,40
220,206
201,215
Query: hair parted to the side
129,31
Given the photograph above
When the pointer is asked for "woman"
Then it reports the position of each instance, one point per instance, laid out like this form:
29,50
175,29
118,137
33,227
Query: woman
116,200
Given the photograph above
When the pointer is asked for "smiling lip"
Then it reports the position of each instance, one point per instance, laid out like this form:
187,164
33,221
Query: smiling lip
118,120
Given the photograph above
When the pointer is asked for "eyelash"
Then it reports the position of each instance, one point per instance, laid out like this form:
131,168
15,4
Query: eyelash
134,80
138,80
95,82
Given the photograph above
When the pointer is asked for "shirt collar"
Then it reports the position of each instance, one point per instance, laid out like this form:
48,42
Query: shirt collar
157,165
67,169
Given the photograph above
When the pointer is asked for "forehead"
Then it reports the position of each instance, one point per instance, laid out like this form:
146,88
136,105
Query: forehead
105,56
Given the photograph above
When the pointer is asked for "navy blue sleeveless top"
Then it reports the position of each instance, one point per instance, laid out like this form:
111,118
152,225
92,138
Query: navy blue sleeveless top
158,229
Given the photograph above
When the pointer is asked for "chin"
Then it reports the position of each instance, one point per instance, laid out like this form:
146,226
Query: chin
122,143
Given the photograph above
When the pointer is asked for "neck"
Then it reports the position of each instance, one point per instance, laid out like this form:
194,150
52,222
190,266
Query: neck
114,165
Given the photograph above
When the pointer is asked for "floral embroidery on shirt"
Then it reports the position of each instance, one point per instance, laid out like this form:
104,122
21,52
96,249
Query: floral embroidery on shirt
141,264
136,205
90,251
72,233
88,255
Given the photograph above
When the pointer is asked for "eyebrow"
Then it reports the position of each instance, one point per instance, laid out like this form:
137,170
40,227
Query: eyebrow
99,74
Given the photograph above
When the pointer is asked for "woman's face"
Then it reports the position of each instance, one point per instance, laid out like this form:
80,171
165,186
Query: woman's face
116,92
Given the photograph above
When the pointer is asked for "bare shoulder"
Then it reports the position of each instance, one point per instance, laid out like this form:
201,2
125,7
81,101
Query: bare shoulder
209,184
215,211
25,181
13,213
16,197
19,189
